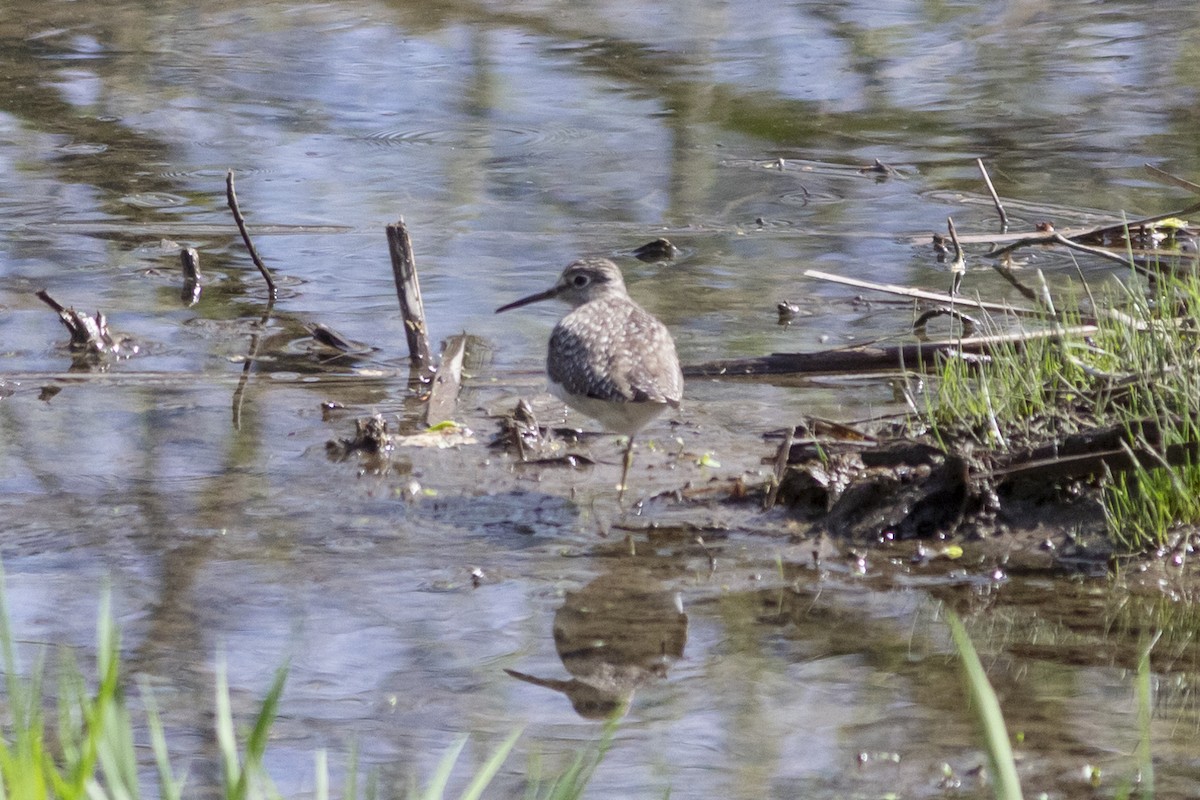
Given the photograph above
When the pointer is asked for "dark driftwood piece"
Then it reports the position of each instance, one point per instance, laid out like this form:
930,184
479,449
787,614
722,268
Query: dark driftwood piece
89,334
872,358
443,393
1093,453
231,196
327,337
408,288
189,259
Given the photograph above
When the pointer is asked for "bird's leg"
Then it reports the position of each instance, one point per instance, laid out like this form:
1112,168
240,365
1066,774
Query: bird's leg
625,470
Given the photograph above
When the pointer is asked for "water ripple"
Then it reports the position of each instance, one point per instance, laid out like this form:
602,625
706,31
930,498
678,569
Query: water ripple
479,137
155,200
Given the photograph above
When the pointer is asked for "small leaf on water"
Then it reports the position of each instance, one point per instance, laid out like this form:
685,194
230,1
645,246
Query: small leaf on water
952,552
445,425
1171,222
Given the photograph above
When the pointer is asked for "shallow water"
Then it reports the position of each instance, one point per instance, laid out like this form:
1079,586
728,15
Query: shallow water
513,138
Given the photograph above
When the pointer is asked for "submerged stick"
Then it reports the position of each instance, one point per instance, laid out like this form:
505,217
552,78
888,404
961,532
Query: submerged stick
1099,252
251,356
1005,271
231,197
1174,180
987,181
408,288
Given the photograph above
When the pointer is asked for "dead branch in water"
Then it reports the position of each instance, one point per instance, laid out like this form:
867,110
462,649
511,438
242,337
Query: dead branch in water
89,335
987,181
873,358
231,196
408,288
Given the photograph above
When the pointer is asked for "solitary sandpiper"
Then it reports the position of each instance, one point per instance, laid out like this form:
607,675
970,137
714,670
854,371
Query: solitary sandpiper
609,358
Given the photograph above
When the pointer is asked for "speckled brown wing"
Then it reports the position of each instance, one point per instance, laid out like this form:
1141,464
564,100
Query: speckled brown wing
612,349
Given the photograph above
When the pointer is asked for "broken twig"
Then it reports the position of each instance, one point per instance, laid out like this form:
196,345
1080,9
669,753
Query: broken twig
231,196
958,268
921,294
987,181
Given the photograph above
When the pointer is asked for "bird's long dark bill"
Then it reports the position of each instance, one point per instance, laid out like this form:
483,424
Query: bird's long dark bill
533,298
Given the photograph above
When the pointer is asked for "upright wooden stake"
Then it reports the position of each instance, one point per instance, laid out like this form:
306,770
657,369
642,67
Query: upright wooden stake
408,287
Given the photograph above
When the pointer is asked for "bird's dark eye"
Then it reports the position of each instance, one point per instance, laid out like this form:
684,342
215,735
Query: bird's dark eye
580,281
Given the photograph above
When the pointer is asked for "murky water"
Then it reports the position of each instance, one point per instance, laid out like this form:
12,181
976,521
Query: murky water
513,138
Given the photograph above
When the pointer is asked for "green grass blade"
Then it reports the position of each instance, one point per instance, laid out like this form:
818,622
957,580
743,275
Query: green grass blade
169,788
322,770
111,727
484,777
241,773
1144,708
571,783
350,788
441,776
11,667
1005,783
231,768
256,746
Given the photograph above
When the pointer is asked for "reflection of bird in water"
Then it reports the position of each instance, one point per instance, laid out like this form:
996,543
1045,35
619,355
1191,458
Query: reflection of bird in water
609,357
615,635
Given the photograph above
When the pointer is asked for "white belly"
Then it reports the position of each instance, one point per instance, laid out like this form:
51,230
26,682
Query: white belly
623,418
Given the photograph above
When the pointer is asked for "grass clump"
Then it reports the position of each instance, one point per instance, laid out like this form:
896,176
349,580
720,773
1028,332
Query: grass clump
1135,367
87,751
